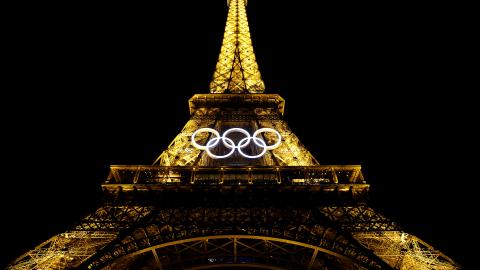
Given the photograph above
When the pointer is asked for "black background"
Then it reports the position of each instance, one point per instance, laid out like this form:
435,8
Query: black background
381,85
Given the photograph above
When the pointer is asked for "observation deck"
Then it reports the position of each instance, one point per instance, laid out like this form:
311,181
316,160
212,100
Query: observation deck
322,178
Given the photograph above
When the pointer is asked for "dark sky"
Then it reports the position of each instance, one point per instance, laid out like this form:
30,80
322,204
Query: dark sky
375,84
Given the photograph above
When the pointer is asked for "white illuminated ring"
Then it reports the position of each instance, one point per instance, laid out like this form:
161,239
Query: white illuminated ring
259,143
207,130
263,130
239,130
230,144
212,143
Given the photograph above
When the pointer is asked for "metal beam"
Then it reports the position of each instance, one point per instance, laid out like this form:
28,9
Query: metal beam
157,260
312,261
240,237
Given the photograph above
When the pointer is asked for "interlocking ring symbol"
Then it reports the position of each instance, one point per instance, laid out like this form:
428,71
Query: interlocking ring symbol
230,144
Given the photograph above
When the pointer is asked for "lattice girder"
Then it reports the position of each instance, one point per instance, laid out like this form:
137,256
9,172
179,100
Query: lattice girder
291,152
113,218
299,225
190,210
358,218
233,251
386,239
216,112
70,249
181,152
404,251
63,251
237,69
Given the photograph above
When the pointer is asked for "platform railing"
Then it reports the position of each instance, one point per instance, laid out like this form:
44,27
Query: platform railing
189,175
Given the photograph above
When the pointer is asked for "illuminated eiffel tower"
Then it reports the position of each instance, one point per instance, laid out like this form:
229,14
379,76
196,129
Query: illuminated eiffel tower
236,188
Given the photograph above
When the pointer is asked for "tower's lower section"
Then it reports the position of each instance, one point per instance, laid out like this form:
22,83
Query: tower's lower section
243,217
234,251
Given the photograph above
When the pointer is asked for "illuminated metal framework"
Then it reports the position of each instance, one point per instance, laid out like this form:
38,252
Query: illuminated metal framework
248,111
184,217
237,70
230,250
64,251
282,210
403,251
147,177
71,249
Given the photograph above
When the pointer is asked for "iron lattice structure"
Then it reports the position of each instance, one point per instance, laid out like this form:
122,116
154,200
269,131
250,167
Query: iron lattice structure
237,70
282,210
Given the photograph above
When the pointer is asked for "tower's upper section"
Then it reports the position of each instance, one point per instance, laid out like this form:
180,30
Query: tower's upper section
237,69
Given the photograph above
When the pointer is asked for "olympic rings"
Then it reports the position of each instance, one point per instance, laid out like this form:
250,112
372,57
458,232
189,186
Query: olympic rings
230,144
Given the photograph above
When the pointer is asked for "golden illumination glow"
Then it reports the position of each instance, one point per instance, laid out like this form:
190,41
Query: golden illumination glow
122,231
237,69
290,152
64,251
238,246
403,251
181,152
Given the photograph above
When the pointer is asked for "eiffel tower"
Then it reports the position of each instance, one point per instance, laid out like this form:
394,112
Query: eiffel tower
235,188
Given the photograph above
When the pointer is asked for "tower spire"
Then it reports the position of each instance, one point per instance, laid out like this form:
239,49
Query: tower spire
237,70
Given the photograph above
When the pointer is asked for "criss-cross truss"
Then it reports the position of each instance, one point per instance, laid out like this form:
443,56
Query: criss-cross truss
282,210
237,69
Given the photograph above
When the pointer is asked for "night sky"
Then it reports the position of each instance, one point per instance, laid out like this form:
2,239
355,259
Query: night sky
371,84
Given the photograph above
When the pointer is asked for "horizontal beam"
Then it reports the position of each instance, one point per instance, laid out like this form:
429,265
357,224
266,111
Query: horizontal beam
242,237
237,101
233,168
234,176
187,188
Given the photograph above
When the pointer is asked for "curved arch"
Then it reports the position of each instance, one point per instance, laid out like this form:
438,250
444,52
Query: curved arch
273,239
296,227
239,252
